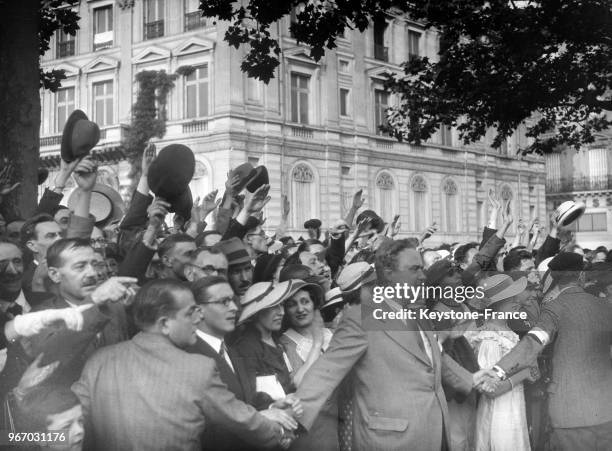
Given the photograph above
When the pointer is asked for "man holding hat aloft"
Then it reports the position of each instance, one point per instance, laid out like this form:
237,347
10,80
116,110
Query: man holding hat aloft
579,324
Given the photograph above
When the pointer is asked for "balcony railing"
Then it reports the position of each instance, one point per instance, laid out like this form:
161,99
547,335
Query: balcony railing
154,29
302,132
65,48
585,183
194,20
195,126
381,52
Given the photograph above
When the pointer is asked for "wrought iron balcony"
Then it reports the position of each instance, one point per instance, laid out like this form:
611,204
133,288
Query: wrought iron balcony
583,183
154,29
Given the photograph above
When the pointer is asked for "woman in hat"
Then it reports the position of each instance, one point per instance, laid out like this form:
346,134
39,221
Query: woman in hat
501,420
304,340
258,346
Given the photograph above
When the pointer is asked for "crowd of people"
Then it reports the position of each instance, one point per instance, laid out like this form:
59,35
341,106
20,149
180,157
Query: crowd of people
212,333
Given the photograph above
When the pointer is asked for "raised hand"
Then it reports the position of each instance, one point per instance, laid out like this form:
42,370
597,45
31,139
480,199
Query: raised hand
396,225
358,200
114,289
259,200
148,156
494,200
209,204
159,207
521,228
6,176
429,231
85,173
231,184
285,205
507,214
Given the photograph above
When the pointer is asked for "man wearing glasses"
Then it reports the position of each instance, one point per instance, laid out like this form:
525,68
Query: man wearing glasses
219,308
205,262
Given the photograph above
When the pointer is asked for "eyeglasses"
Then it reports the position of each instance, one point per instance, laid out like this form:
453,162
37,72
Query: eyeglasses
261,234
225,301
99,241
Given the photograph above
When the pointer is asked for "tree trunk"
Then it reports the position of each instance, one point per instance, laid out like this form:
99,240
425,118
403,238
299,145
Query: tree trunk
20,99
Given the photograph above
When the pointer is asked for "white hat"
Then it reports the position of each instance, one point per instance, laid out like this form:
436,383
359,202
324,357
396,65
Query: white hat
568,212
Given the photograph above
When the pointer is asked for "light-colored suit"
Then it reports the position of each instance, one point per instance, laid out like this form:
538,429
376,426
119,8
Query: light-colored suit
146,394
399,402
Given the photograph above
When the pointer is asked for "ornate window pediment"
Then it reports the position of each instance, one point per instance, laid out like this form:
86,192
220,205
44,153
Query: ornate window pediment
418,184
385,181
450,188
303,174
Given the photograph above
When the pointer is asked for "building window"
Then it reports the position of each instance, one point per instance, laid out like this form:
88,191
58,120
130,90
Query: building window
65,44
344,102
419,192
385,188
154,19
103,103
450,205
381,103
303,195
103,28
65,105
381,52
446,135
300,93
592,222
343,66
193,16
196,93
414,38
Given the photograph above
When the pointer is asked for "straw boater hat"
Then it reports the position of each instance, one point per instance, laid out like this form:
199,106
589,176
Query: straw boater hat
498,288
355,275
333,298
568,212
264,295
106,204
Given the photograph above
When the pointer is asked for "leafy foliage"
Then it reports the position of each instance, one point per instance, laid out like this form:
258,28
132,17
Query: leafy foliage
502,63
55,15
149,116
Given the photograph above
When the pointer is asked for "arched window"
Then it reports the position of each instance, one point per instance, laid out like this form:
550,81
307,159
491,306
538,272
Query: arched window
420,211
450,205
303,195
385,196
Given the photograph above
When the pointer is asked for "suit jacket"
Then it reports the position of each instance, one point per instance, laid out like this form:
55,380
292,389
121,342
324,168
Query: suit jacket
146,394
216,437
580,325
398,399
103,325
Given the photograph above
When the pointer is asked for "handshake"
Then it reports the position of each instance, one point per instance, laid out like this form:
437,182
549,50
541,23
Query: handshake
489,383
284,412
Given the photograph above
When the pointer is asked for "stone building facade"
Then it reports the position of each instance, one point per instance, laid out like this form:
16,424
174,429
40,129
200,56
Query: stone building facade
314,125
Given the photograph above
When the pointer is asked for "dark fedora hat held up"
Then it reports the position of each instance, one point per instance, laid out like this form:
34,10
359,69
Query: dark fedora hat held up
80,135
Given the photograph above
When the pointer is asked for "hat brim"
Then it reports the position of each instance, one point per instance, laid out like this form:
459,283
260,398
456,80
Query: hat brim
517,287
106,204
272,299
182,204
258,178
571,214
245,171
335,301
66,146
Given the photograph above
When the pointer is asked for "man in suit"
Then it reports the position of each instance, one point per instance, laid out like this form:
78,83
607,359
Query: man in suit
219,308
580,325
397,365
147,393
72,270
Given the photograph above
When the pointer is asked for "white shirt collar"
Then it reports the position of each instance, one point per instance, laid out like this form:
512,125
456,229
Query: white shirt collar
212,341
21,300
